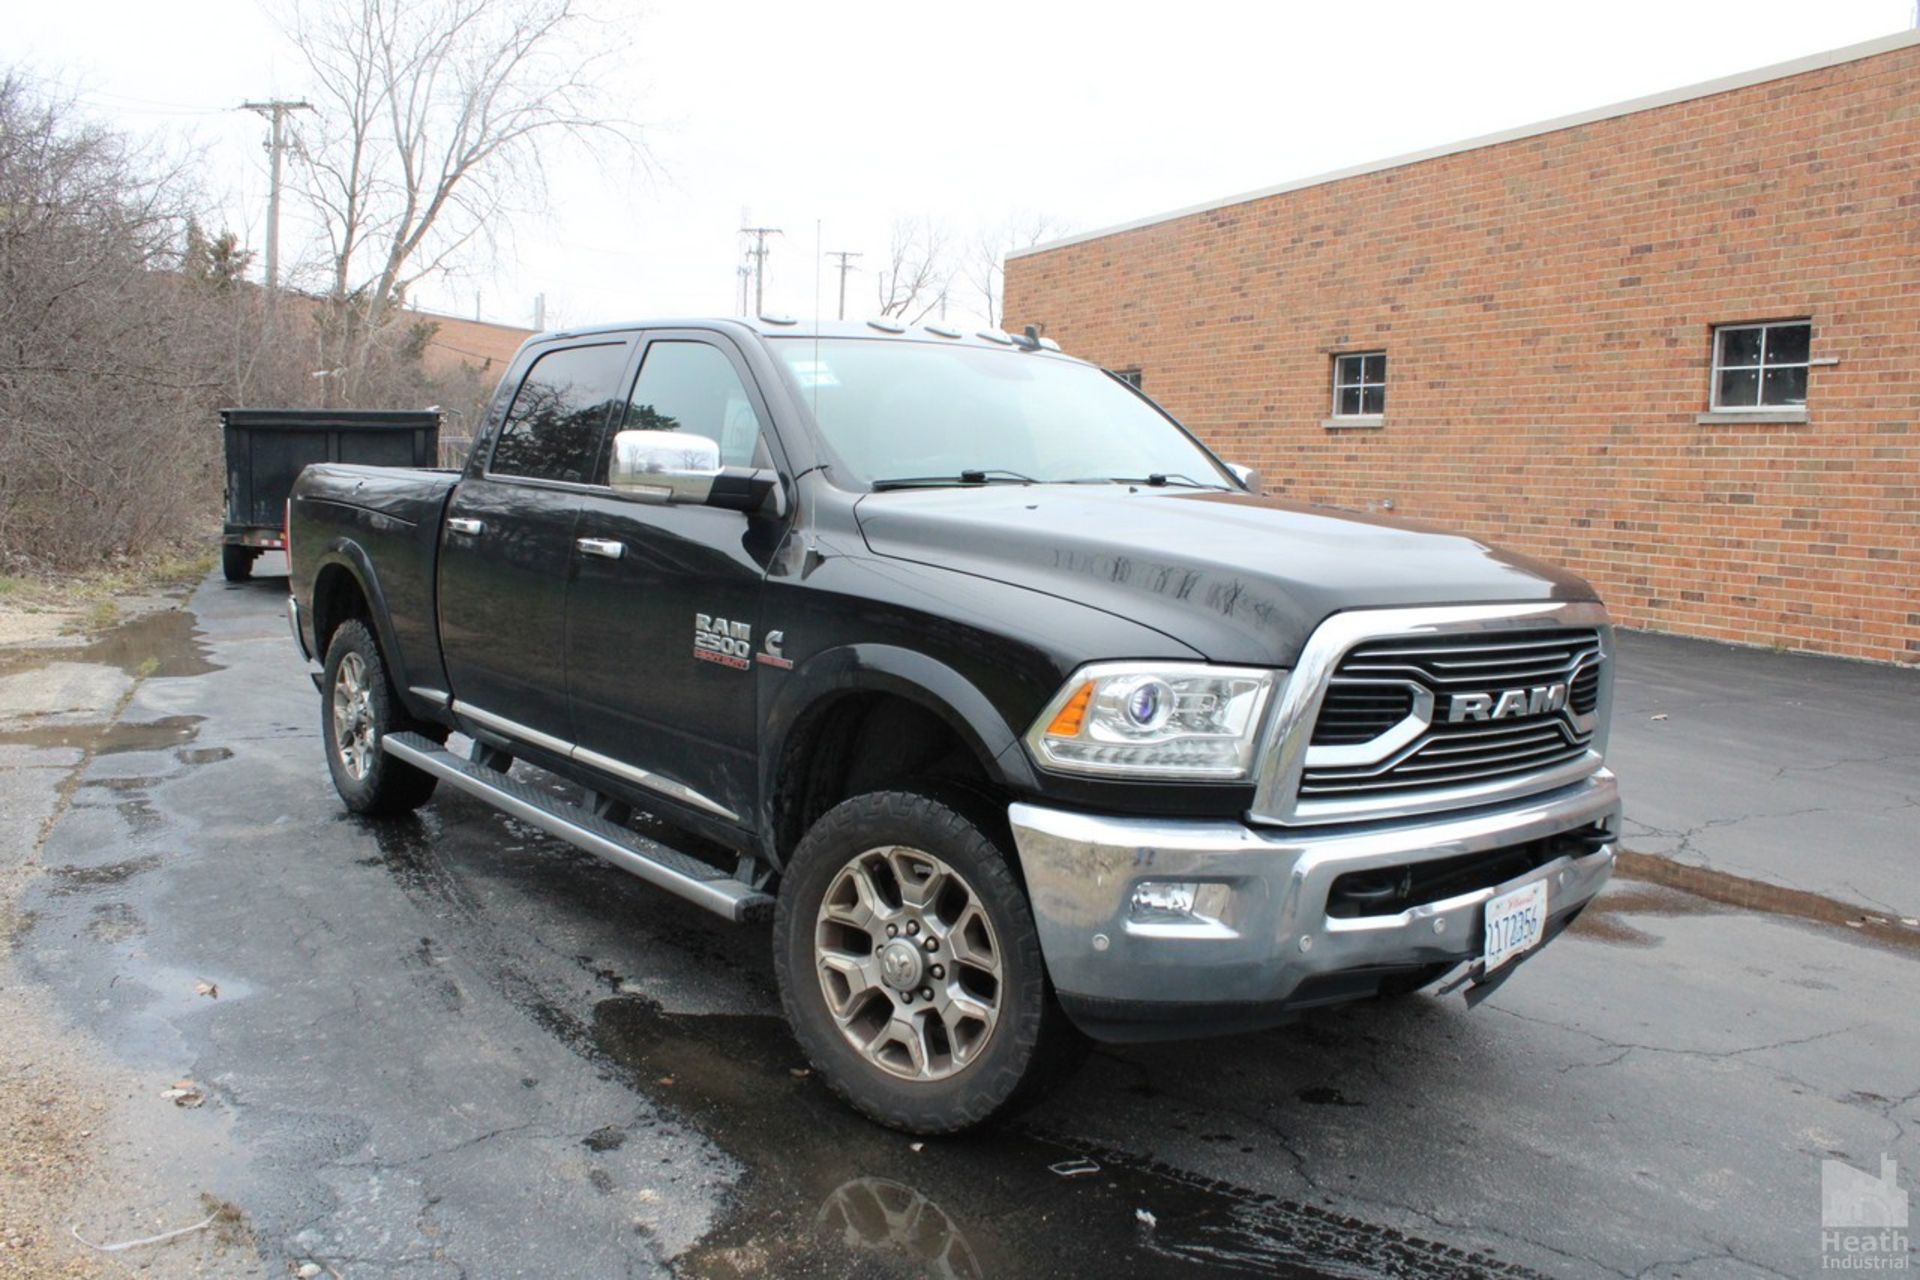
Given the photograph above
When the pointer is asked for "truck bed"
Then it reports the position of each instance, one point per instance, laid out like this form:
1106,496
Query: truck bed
382,523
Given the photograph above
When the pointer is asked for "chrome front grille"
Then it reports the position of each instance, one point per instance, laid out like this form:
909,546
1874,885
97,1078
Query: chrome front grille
1444,756
1471,662
1433,671
1395,712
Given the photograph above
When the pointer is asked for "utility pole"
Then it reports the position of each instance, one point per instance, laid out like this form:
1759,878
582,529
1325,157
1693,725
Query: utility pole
845,267
745,273
540,313
277,110
759,255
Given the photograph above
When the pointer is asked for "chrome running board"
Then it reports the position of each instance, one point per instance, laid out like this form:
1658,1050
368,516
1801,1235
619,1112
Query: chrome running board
696,881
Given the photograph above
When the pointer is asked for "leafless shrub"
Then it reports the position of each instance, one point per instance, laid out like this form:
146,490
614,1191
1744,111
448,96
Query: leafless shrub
123,329
95,397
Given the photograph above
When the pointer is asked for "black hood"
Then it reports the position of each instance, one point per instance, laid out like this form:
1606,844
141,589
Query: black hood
1239,578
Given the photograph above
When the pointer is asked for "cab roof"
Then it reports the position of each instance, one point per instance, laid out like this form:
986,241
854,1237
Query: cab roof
779,326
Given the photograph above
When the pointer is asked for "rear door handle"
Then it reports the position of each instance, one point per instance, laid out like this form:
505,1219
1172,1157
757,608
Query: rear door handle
605,548
460,524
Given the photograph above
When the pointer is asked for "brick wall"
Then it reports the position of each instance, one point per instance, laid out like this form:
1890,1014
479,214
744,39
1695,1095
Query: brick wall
1546,305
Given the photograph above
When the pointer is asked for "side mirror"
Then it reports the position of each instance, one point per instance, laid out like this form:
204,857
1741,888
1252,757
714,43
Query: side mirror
680,467
1247,475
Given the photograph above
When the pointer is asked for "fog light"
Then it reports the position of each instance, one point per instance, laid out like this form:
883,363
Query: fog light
1183,901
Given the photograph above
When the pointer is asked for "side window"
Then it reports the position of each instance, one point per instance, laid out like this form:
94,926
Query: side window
552,429
692,387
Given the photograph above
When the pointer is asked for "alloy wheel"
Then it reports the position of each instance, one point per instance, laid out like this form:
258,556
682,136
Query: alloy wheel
908,963
353,729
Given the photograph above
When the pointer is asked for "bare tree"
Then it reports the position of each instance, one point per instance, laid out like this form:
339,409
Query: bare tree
916,277
432,119
986,259
124,327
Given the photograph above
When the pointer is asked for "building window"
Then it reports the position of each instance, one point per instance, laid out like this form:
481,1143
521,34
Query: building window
1360,384
1761,366
1129,376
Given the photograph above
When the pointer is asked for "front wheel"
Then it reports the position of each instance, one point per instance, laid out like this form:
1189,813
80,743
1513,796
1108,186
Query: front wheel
910,968
358,709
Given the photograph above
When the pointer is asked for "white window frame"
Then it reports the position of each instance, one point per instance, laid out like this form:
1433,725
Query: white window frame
1359,359
1720,332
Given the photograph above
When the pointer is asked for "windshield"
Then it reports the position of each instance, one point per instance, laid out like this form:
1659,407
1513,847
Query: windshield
920,411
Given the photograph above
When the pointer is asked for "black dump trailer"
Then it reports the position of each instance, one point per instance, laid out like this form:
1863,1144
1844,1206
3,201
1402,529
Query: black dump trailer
267,448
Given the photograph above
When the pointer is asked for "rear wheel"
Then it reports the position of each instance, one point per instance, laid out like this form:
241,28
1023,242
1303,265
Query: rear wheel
236,562
909,965
358,709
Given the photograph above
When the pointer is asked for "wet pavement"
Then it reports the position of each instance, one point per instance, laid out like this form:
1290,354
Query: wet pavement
448,1045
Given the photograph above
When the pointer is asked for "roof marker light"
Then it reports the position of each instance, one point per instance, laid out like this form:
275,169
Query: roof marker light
778,319
886,324
997,335
941,331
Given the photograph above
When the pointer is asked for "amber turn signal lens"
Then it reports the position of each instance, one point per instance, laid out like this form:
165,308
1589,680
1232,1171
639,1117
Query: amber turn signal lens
1066,724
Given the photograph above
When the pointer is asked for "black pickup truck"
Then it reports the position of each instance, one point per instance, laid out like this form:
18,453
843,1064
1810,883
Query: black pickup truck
1023,716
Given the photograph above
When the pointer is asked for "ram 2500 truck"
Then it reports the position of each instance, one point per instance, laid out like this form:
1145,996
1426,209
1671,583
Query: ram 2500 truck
1022,715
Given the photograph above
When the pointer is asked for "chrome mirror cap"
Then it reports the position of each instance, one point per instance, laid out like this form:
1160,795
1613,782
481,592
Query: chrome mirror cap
664,466
1247,476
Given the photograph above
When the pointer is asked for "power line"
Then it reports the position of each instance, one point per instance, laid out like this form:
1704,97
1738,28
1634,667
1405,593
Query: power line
845,266
277,110
759,255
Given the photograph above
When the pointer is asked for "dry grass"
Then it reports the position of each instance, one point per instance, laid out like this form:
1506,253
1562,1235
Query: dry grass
37,608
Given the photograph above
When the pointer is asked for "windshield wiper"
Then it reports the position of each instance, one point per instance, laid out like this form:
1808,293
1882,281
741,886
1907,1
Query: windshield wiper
987,475
1158,479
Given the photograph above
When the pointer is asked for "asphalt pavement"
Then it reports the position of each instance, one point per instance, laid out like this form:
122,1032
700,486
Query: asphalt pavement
449,1045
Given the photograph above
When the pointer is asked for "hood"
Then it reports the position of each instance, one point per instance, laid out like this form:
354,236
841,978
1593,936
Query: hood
1240,578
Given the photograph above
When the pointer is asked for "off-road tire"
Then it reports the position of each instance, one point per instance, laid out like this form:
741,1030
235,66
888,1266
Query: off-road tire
236,562
384,785
1030,1047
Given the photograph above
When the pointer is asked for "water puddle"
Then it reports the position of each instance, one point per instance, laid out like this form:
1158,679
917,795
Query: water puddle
1769,899
1602,920
164,643
827,1193
123,735
68,879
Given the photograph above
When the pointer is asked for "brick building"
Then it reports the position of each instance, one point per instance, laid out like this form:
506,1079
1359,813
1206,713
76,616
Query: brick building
477,345
1553,339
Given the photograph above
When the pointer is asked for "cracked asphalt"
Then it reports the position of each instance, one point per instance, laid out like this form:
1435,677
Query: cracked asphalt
451,1046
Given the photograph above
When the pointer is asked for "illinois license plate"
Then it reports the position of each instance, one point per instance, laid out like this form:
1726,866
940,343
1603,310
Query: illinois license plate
1516,921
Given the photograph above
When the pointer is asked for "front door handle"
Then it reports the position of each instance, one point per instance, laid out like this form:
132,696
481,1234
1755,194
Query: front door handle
605,548
460,524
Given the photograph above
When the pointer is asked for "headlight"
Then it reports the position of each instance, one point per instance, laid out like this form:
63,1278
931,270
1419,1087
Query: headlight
1155,720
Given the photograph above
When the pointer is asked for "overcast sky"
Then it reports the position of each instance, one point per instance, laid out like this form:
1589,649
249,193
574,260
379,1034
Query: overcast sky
853,114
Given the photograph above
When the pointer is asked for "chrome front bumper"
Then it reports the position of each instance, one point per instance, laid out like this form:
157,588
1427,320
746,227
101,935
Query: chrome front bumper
1271,942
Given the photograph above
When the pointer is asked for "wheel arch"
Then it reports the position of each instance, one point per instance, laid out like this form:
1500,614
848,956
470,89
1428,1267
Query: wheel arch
345,585
836,692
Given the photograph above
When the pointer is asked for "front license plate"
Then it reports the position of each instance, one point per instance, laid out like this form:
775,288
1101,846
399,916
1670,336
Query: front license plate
1516,922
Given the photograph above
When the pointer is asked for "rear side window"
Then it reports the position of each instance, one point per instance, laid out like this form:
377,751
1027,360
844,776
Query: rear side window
692,387
552,431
